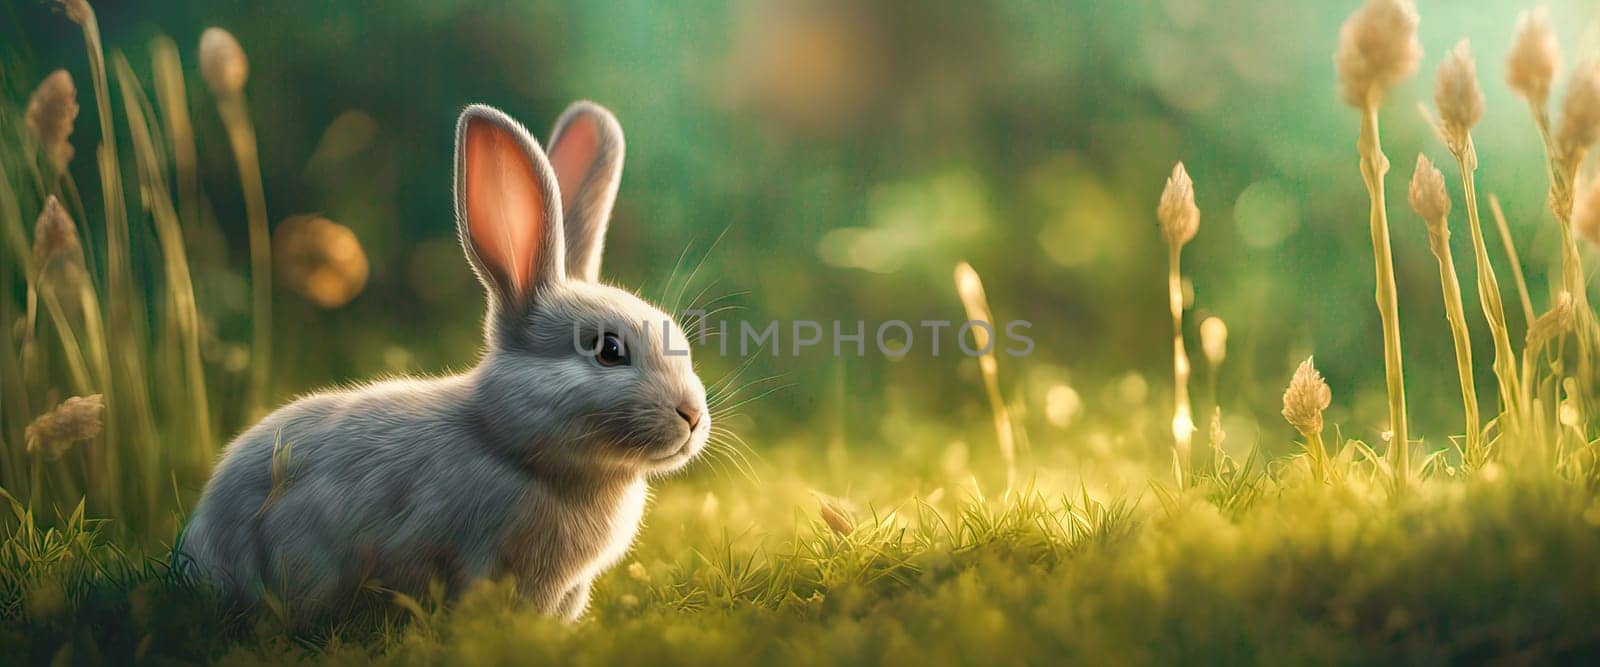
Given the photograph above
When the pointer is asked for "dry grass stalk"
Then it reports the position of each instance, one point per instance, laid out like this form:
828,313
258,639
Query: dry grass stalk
1555,323
1304,401
1378,47
130,406
970,288
1580,128
171,93
1180,221
51,112
1511,255
1430,200
225,69
1460,107
183,324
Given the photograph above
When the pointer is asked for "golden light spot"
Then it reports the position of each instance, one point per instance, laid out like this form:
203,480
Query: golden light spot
321,260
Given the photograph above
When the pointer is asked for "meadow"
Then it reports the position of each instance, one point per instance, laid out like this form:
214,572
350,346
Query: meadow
1195,491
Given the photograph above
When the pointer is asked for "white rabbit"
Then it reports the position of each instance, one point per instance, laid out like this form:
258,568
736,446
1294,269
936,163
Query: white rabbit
532,465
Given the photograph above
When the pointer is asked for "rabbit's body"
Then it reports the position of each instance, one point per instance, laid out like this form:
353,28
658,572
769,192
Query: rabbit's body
531,466
348,507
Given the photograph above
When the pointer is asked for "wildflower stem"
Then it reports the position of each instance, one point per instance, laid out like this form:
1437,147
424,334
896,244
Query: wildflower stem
1516,261
1456,315
1319,457
1182,415
1505,360
1373,166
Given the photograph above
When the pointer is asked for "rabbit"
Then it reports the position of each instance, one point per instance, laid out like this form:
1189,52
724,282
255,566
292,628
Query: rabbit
532,465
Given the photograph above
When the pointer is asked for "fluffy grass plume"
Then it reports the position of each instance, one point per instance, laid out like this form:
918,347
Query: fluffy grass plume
75,420
1378,48
1304,401
51,111
1535,57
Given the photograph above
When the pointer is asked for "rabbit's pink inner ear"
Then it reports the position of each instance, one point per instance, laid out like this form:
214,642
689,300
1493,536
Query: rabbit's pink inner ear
505,205
572,155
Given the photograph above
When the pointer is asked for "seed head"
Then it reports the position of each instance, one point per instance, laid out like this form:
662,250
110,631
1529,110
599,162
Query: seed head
1378,48
1535,57
1305,399
1580,111
835,516
1586,213
1554,323
76,419
51,110
222,62
1429,199
1458,97
54,235
1214,339
78,11
1179,217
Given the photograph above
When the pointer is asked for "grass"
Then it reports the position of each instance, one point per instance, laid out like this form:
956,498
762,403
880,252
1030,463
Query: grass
911,551
1252,567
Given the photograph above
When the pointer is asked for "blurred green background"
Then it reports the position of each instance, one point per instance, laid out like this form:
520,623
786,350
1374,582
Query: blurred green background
853,151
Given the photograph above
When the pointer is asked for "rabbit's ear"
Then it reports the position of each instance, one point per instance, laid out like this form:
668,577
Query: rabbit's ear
508,211
586,152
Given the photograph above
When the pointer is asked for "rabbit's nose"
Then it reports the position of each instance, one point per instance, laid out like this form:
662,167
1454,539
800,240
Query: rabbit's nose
690,413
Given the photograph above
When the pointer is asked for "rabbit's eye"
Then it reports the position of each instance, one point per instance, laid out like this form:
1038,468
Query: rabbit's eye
612,352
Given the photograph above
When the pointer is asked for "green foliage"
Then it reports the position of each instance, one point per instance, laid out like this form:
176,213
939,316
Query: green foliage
1492,567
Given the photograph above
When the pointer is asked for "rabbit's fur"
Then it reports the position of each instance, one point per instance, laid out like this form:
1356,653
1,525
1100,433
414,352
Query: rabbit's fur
532,465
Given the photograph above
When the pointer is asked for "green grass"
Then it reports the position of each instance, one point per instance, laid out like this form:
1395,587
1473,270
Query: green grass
1266,567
